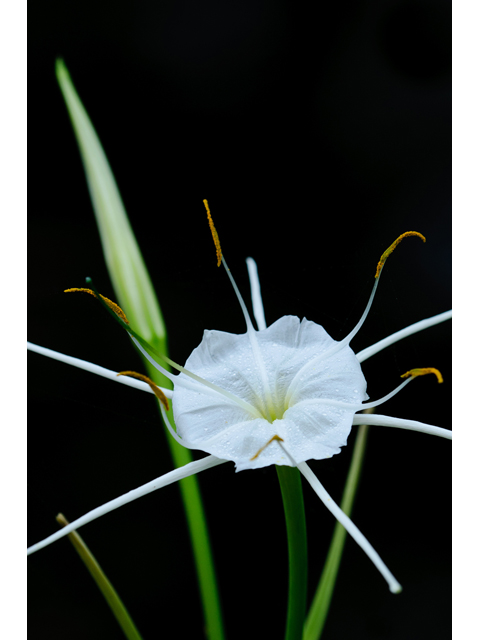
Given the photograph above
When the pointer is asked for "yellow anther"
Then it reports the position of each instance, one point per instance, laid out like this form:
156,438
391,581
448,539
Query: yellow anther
113,305
392,247
214,234
266,445
423,372
156,390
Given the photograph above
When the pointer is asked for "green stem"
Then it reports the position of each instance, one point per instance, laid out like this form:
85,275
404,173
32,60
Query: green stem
111,596
317,615
198,529
291,487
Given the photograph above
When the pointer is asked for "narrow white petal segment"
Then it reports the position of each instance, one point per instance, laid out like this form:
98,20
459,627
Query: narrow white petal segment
257,303
168,478
412,425
94,368
399,335
359,538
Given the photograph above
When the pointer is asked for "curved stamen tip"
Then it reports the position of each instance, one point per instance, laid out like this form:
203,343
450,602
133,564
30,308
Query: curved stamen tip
414,373
113,305
277,438
214,233
156,390
386,253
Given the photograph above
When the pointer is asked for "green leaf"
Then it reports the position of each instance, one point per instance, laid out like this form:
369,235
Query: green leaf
111,596
126,267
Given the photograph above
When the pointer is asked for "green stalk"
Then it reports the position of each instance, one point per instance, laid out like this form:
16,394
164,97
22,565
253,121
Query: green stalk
197,526
291,487
111,596
317,615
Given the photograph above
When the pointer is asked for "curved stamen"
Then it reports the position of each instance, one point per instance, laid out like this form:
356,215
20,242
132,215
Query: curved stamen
168,478
391,248
155,388
113,305
343,343
414,373
274,438
214,233
173,433
399,423
269,404
380,266
377,403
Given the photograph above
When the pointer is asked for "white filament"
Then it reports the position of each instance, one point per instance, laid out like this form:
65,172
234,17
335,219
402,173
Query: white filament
355,407
173,433
331,350
269,404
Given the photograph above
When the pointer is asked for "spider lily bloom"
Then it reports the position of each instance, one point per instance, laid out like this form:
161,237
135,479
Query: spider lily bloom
282,395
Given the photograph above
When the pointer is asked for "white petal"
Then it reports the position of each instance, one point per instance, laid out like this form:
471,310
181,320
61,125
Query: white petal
316,431
399,335
168,478
412,425
257,302
290,353
94,368
356,534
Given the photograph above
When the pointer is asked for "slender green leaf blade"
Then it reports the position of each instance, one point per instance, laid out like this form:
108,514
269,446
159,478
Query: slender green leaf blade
108,591
125,264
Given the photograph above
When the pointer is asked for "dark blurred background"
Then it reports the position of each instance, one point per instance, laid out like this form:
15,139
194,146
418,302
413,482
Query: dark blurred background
318,136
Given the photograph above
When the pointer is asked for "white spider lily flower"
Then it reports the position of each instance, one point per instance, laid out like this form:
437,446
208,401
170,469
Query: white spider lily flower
282,395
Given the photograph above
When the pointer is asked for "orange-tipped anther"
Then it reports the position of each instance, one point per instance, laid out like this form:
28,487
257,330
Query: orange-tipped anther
393,246
156,390
266,445
414,373
214,233
113,305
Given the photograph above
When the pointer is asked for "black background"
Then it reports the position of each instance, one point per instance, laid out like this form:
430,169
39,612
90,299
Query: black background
317,137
